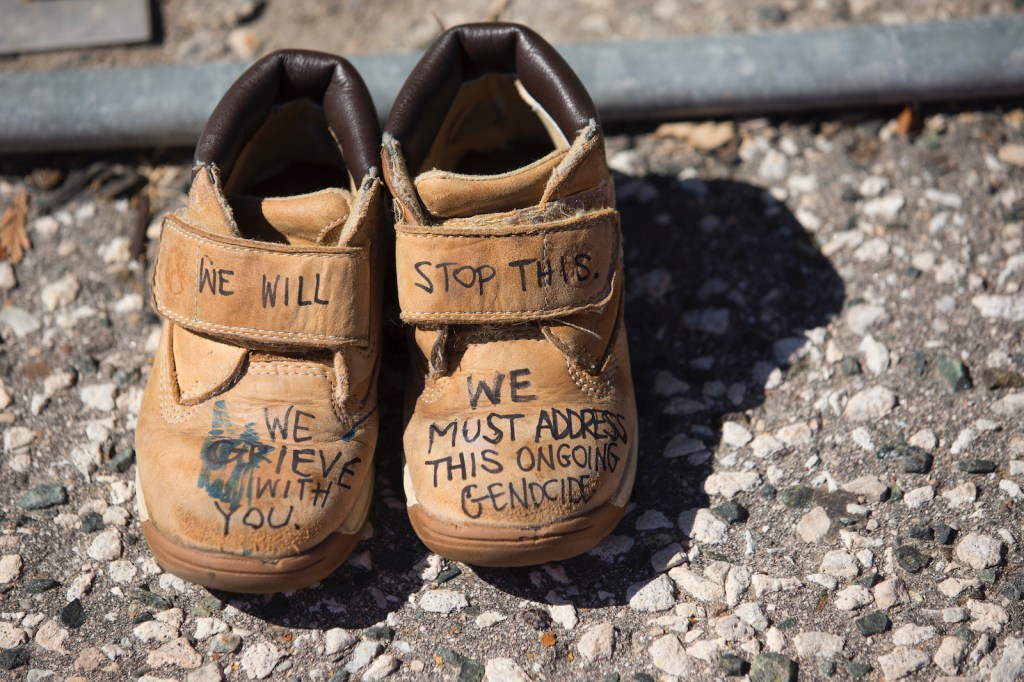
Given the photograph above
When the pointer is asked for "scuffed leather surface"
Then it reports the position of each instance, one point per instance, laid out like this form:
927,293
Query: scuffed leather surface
202,366
225,475
259,293
506,273
554,441
444,194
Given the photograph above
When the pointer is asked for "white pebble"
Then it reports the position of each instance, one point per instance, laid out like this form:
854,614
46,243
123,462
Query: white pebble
259,660
919,496
870,404
10,568
443,601
106,546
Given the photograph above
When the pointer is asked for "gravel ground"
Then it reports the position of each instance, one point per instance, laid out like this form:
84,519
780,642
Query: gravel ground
826,322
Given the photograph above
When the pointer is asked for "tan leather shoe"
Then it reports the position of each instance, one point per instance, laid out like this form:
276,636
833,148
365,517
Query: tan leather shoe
520,441
256,437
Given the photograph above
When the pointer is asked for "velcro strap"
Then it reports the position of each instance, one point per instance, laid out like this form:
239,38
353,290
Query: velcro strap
477,274
260,293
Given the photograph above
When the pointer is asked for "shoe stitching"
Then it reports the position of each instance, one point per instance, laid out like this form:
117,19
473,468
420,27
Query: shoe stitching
237,331
600,388
179,226
171,411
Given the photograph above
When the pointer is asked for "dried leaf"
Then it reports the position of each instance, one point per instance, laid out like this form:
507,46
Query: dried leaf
704,137
548,639
13,237
1015,117
910,121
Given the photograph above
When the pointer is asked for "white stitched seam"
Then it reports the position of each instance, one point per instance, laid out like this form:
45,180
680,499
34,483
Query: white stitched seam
180,229
184,321
541,229
543,314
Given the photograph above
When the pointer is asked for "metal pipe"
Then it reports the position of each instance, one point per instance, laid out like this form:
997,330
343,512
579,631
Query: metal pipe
718,75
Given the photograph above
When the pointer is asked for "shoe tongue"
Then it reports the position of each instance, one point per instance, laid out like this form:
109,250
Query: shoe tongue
454,195
314,218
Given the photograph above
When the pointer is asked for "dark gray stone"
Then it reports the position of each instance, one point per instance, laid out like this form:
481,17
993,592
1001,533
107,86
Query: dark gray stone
379,633
873,623
225,643
449,573
44,497
450,656
976,466
987,575
944,535
40,585
122,460
911,559
207,606
473,671
154,601
797,496
538,619
73,615
773,14
922,532
954,372
857,670
868,581
731,512
92,522
966,634
732,665
1013,587
772,667
850,366
920,362
996,379
13,658
917,460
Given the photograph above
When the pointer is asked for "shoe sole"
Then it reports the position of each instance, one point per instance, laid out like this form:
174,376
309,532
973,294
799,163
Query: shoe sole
236,573
507,547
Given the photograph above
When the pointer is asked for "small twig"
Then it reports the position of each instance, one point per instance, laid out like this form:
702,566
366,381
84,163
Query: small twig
496,9
140,202
73,184
439,20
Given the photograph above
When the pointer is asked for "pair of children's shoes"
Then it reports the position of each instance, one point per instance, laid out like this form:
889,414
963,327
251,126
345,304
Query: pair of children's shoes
256,438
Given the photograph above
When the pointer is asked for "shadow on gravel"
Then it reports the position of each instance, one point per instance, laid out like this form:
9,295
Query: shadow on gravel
720,279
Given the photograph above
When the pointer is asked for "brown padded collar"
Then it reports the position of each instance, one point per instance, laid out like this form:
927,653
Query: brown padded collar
285,76
466,52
